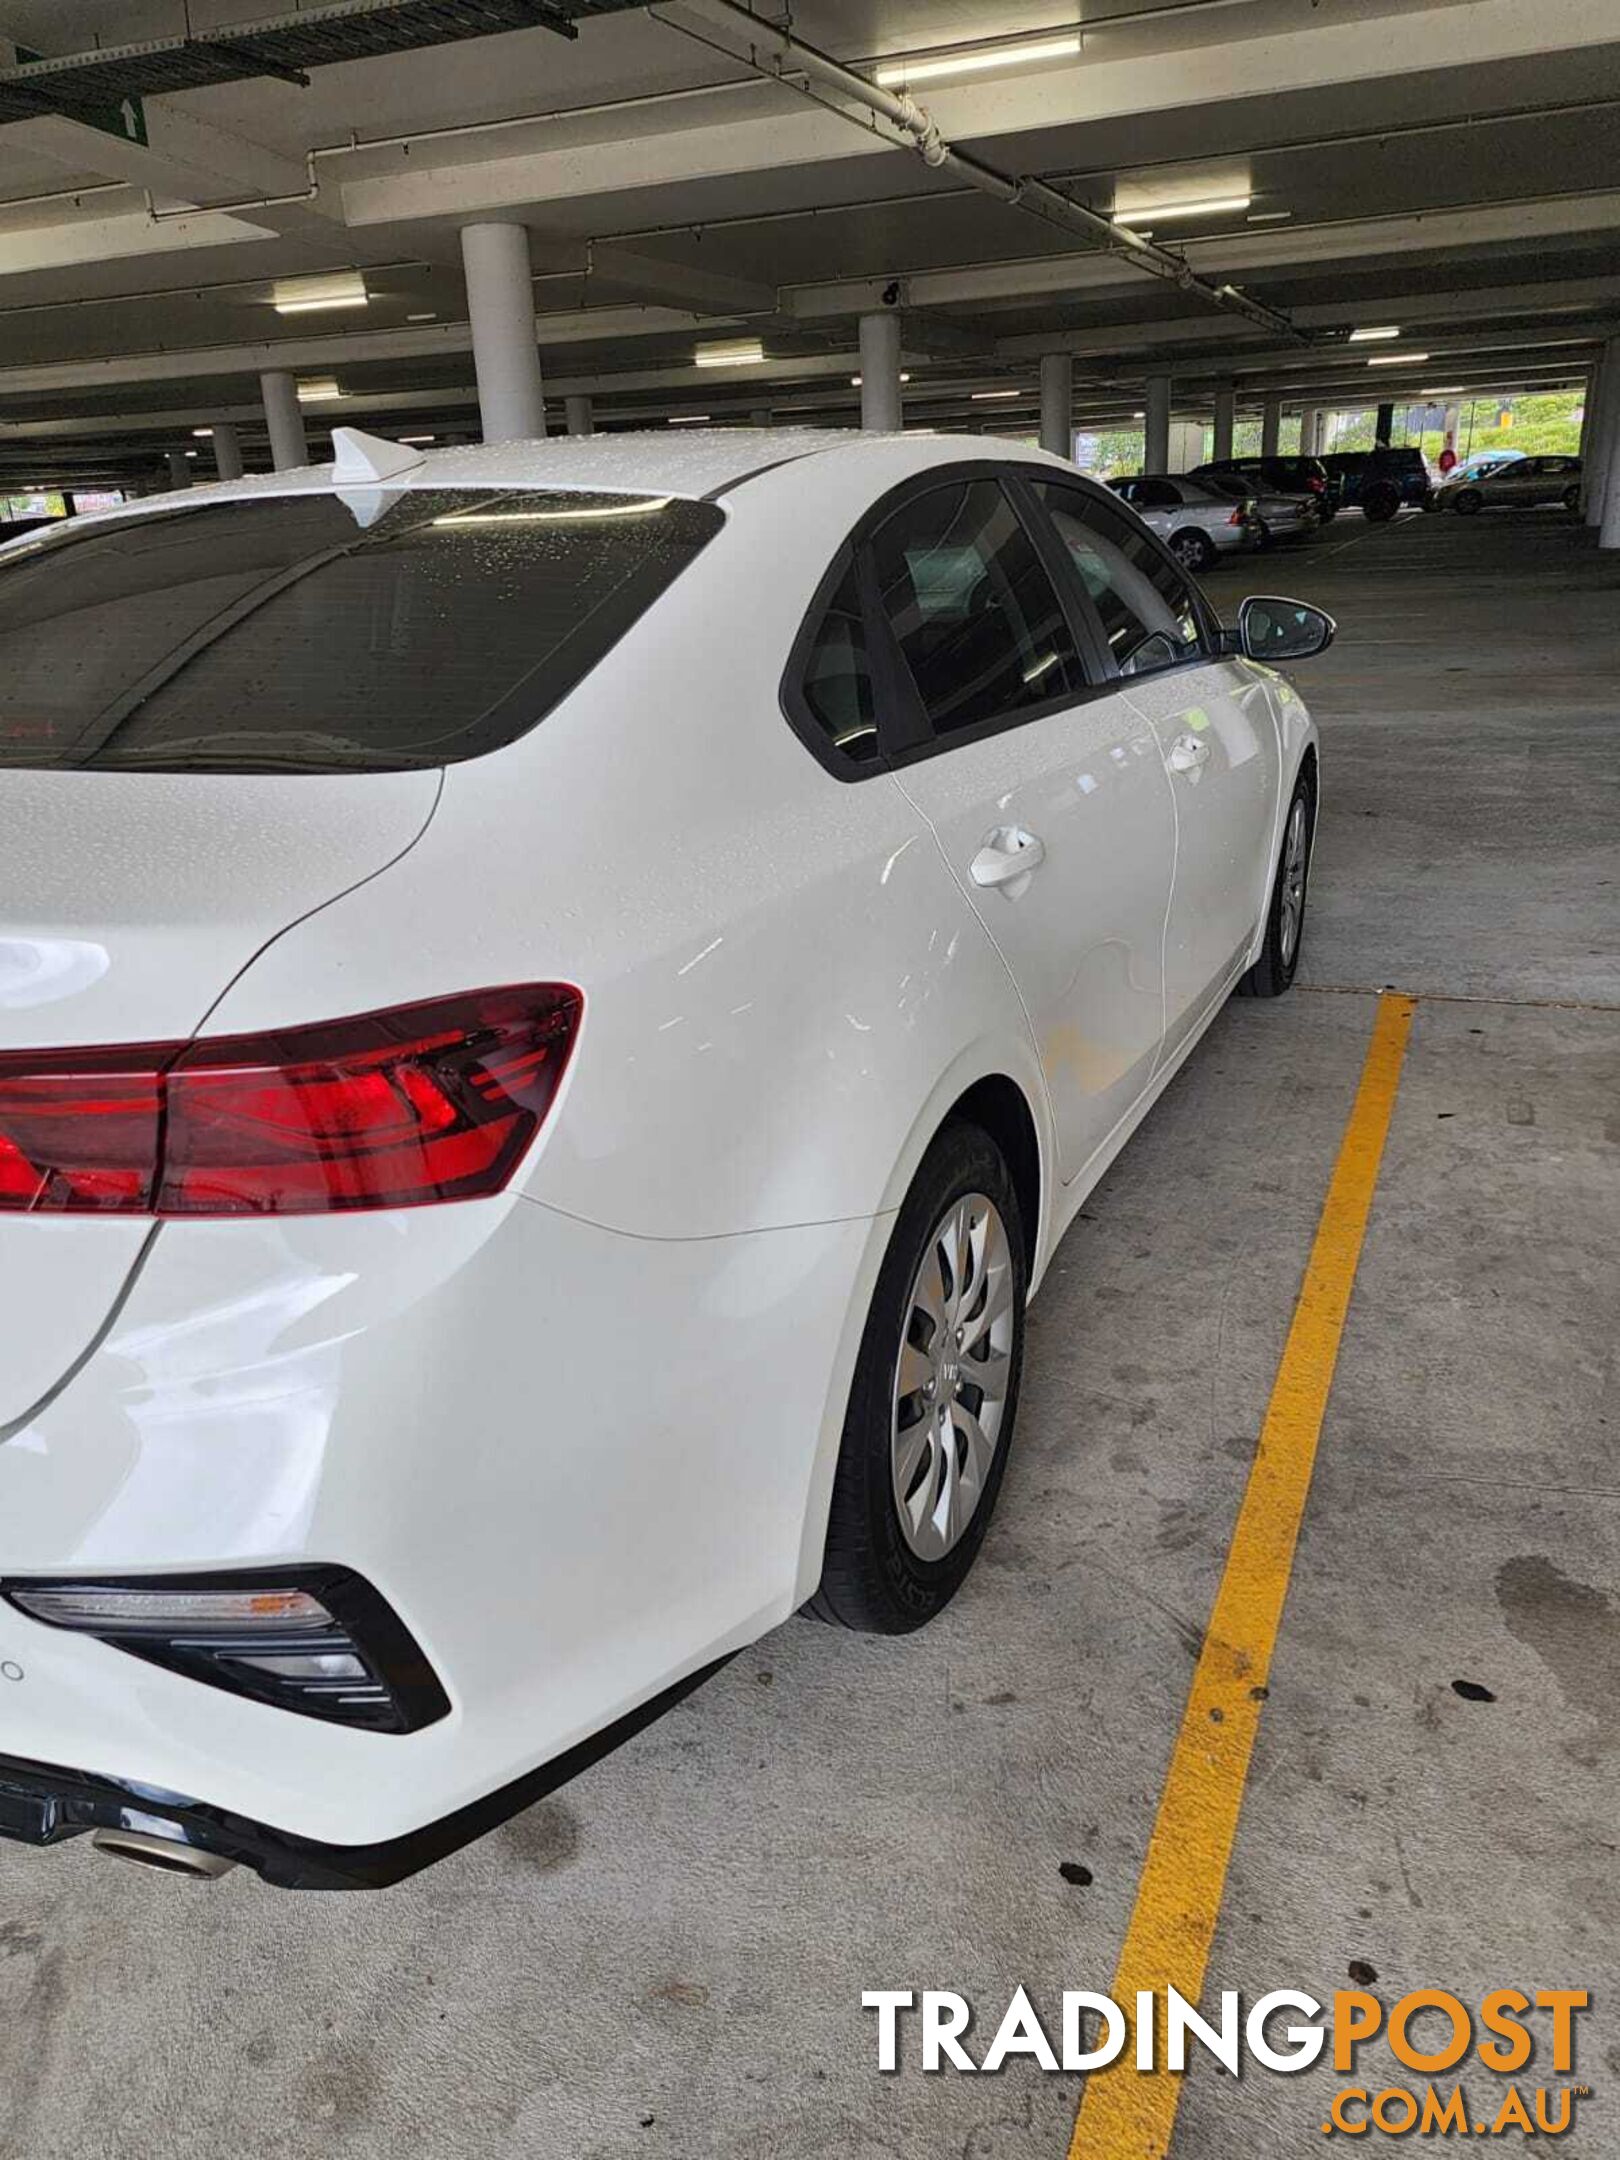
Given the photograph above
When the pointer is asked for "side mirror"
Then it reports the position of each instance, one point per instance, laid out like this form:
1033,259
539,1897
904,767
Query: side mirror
1274,630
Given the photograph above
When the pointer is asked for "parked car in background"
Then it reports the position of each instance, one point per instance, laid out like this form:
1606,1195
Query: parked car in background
1197,524
1278,476
1524,484
1282,517
1475,467
1379,482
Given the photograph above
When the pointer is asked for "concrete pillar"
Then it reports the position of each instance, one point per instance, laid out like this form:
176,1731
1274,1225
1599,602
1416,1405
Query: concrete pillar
880,372
1225,420
500,308
1057,404
577,409
1156,425
1604,434
179,468
285,419
1271,427
227,448
1384,427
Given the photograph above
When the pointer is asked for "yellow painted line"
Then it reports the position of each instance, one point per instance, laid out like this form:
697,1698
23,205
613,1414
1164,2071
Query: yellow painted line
1126,2114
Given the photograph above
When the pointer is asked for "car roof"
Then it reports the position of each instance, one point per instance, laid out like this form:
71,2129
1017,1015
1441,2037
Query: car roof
690,463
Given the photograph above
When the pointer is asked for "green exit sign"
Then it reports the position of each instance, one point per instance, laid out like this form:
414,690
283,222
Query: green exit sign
126,120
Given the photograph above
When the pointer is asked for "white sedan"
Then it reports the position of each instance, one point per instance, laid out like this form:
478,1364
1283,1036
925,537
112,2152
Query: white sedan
555,1003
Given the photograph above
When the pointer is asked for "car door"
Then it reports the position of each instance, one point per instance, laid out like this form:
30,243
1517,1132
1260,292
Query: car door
1042,784
1217,736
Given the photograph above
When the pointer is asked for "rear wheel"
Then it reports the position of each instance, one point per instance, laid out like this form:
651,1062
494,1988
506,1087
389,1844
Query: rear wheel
1192,550
1380,504
934,1398
1572,498
1468,502
1274,971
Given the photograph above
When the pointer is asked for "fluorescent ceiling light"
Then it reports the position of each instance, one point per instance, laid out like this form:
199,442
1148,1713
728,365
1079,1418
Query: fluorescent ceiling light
1372,337
1455,389
688,419
1396,359
1207,208
740,352
202,433
317,388
429,317
1267,217
307,295
983,397
418,438
978,63
855,380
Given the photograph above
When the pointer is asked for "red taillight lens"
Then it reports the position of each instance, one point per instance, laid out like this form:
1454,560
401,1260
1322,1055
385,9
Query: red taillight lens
427,1102
1315,482
1239,514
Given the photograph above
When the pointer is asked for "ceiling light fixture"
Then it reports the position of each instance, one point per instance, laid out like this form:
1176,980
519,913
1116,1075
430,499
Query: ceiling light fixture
319,388
429,317
855,380
1397,359
418,438
984,397
308,295
688,419
740,352
1208,207
1455,389
977,63
1267,217
202,433
1373,337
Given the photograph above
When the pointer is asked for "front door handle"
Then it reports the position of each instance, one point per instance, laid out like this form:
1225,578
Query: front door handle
1187,753
1006,858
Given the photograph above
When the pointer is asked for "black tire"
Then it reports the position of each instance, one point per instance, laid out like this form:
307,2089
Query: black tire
1571,498
1274,971
1380,504
871,1579
1468,502
1193,550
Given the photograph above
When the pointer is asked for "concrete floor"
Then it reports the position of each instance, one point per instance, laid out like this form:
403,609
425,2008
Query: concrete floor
667,1958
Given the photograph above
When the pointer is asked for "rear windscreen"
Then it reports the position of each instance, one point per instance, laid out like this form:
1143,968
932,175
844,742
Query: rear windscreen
310,633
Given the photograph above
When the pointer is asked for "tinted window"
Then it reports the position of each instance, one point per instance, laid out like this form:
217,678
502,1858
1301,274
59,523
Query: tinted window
973,609
837,680
1148,610
296,633
1157,495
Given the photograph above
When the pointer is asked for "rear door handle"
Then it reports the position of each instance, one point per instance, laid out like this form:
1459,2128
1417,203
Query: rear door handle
1187,753
1006,858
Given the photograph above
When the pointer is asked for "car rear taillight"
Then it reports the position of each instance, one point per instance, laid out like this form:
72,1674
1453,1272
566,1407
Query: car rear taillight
1240,515
437,1101
1315,483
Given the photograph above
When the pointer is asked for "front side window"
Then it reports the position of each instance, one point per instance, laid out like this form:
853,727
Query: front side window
975,615
1148,612
307,633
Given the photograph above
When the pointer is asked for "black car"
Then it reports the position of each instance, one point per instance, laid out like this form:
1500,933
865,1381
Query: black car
1377,482
1276,476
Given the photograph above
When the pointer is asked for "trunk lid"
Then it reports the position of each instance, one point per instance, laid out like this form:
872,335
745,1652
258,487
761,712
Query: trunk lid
129,902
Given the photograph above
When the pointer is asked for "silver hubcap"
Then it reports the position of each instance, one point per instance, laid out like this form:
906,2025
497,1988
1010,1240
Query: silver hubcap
1188,553
1293,879
950,1384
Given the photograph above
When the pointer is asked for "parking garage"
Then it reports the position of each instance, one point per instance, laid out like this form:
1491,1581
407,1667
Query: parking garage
1289,1662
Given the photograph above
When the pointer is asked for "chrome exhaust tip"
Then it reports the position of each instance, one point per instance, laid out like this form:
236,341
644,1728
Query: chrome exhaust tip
169,1856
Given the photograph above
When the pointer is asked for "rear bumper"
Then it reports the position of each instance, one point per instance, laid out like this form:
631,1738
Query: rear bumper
579,1466
41,1804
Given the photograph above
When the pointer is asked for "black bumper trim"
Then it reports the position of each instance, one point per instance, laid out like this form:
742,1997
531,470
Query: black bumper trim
41,1804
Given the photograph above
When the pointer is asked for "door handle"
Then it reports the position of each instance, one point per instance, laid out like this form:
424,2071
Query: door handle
1006,858
1187,753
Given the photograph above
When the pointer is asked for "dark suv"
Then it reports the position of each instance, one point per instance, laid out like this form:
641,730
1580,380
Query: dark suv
1379,481
1277,476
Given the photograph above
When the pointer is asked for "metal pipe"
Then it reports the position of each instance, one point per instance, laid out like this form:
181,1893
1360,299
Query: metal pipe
786,57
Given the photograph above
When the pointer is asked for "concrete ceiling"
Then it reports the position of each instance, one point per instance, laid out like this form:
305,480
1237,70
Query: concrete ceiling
1453,169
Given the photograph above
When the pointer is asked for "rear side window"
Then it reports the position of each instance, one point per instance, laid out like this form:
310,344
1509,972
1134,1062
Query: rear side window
300,634
974,613
836,682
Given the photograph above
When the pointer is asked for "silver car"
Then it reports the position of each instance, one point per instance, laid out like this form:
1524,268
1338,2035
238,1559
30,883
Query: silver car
1196,524
1282,517
1523,484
